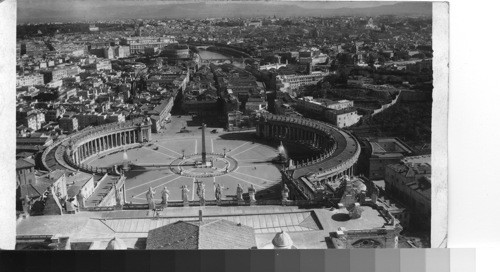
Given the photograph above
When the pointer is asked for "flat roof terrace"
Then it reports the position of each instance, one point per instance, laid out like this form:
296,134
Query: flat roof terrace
88,226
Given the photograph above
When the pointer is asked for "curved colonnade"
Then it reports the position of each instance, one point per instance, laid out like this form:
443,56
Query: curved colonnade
72,151
314,177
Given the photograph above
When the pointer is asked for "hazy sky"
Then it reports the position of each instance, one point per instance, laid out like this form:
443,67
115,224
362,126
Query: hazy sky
70,10
59,4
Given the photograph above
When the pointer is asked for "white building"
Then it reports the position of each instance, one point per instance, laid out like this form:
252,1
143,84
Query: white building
340,113
290,83
410,182
29,80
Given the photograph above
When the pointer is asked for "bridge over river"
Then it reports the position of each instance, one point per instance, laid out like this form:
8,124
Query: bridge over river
208,57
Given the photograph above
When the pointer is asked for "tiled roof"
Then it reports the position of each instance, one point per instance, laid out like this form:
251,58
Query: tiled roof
33,190
24,163
179,235
223,234
207,234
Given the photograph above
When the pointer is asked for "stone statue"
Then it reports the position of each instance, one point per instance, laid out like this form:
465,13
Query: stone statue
239,193
118,196
202,194
26,205
80,199
70,205
185,192
251,193
218,192
355,211
375,194
149,197
202,191
164,195
284,193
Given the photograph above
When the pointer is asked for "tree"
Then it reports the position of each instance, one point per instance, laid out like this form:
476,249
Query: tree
325,87
344,59
370,60
381,60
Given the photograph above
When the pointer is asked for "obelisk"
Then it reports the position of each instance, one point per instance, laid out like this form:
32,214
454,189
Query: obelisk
203,148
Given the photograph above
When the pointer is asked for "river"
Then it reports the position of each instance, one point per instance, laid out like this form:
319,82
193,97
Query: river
206,55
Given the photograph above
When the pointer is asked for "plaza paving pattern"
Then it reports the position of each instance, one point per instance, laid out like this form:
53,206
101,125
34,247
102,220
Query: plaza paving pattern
253,159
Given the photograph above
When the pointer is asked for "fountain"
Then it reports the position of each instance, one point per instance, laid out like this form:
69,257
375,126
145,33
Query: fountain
282,157
126,166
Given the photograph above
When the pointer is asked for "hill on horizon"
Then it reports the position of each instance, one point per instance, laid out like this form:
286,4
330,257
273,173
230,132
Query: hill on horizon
77,11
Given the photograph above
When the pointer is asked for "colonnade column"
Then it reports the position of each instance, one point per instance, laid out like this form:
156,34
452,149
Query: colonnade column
77,155
140,138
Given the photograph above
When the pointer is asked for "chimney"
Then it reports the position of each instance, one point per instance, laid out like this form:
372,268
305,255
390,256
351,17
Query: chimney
200,215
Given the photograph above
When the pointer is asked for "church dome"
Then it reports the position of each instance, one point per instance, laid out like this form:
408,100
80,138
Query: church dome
116,244
282,240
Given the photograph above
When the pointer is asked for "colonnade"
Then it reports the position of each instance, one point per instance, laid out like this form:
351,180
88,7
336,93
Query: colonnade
331,178
316,139
105,142
310,173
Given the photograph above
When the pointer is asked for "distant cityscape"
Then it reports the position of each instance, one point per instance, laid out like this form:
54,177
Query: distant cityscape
264,132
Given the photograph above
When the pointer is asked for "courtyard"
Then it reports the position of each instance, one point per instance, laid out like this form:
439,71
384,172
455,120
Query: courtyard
158,164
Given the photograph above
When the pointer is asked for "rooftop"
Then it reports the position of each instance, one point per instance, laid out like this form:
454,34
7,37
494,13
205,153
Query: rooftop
308,228
25,163
76,182
201,234
101,190
388,147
